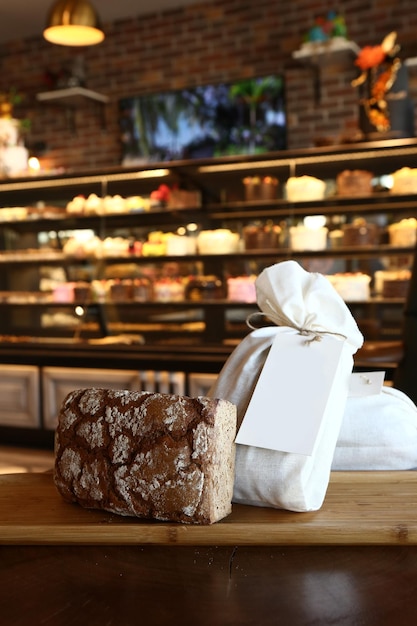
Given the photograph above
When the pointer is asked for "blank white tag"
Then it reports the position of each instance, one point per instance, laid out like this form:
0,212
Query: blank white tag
366,384
289,401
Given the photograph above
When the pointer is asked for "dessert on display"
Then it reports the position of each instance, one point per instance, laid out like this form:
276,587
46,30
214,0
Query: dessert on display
260,188
180,245
114,204
81,247
404,180
76,205
82,291
352,183
360,233
14,214
241,289
392,283
218,241
204,288
305,188
403,233
120,290
169,289
261,236
63,292
93,205
108,205
336,238
352,287
141,289
174,198
310,235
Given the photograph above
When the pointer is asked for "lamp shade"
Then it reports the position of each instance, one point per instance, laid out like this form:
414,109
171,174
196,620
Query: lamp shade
73,23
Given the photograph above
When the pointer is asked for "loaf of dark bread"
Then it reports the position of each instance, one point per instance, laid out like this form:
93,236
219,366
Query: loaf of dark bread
149,455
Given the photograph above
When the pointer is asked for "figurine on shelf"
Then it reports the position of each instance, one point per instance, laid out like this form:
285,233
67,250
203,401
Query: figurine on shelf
379,67
327,35
327,27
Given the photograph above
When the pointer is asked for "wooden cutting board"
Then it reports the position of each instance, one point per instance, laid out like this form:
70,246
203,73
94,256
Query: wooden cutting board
366,508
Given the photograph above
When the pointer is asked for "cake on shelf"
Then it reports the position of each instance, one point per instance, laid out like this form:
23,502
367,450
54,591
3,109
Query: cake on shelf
169,290
360,233
204,288
336,238
218,241
261,236
404,181
260,188
403,233
305,188
392,283
241,289
354,183
141,289
352,287
310,235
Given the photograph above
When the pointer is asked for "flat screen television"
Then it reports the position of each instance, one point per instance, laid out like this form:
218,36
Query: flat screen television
243,117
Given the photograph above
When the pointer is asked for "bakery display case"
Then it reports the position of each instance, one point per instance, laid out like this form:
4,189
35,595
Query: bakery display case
154,266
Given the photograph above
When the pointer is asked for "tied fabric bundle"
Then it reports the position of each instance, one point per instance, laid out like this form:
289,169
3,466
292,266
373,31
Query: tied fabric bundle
300,303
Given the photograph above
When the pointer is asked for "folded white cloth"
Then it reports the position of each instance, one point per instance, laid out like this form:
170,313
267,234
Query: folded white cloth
378,432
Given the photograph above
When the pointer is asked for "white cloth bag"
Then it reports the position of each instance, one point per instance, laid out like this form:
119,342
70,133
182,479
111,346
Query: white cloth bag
291,297
378,432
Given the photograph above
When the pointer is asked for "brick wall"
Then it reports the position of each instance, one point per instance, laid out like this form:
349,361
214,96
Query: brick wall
221,40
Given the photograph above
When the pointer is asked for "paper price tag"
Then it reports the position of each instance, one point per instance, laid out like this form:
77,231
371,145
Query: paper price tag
289,401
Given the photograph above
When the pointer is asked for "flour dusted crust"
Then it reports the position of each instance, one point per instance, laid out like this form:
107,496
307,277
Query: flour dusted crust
149,455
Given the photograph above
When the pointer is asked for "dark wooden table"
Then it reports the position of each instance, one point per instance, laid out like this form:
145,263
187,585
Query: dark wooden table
129,585
354,562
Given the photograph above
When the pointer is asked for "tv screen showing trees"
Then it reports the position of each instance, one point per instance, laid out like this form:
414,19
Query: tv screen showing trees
243,117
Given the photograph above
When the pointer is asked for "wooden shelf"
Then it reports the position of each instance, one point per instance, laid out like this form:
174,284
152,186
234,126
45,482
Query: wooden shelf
71,96
332,49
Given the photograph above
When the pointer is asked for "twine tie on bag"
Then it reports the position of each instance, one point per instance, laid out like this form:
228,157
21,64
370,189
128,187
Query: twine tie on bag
279,320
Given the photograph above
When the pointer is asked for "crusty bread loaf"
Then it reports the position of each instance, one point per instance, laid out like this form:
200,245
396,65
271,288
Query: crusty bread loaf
149,455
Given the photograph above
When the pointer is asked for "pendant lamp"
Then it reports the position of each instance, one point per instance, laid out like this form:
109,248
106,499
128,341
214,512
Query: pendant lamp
73,23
